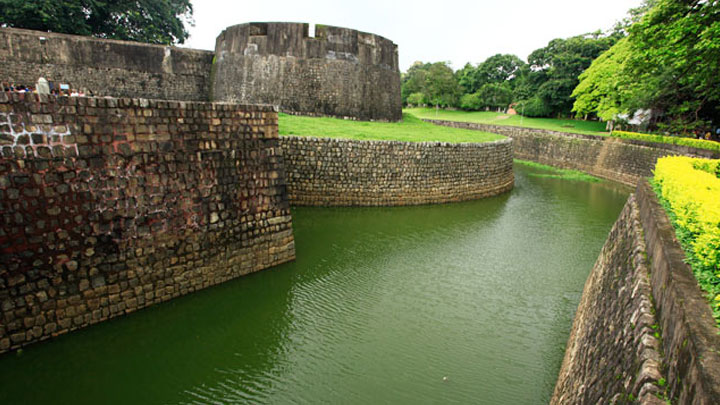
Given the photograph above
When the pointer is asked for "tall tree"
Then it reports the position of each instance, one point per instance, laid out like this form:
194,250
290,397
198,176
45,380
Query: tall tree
152,21
554,69
441,87
670,65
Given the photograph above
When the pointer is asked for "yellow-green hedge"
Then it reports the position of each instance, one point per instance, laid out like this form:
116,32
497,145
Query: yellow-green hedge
673,140
690,189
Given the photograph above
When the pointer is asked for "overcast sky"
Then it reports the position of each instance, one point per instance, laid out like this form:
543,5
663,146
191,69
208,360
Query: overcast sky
457,31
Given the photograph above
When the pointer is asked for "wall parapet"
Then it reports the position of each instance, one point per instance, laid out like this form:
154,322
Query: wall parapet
340,172
112,205
622,160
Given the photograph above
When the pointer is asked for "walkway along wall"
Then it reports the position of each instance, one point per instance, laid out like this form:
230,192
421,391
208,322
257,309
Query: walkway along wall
111,205
338,172
622,160
640,285
105,67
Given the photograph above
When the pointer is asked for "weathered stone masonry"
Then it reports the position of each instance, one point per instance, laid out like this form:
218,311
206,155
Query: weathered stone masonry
640,286
111,205
339,172
339,72
612,354
105,67
622,160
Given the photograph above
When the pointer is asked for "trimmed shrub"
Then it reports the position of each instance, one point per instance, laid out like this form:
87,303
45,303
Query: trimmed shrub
673,140
689,188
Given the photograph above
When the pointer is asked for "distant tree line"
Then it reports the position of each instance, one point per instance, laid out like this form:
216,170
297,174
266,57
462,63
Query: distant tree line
662,59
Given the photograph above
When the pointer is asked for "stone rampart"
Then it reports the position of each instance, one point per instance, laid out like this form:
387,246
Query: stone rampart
622,160
338,172
338,72
641,299
612,355
105,67
111,205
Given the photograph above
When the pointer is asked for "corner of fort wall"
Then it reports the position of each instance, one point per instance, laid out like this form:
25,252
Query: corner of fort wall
111,205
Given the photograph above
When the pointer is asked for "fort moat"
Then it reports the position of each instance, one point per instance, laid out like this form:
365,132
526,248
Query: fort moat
469,302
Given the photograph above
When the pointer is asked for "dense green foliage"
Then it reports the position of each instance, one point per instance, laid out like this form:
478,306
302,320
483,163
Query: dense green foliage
430,83
543,86
152,21
689,190
668,63
533,107
493,118
553,72
673,140
411,129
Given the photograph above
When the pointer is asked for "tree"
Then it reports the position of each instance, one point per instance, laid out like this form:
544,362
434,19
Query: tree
668,64
152,21
414,80
497,69
553,70
496,96
441,87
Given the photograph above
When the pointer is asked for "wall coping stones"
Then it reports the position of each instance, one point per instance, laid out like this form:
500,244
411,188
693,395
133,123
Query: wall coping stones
690,335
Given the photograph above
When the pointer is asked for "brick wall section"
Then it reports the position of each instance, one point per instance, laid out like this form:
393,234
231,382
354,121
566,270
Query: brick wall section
105,67
612,356
339,72
622,160
111,205
338,172
690,337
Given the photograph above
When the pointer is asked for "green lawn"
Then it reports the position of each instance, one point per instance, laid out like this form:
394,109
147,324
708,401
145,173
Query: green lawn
493,118
411,129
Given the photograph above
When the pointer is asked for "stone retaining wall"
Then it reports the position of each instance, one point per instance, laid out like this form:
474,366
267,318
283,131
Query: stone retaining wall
338,172
111,205
640,300
612,355
622,160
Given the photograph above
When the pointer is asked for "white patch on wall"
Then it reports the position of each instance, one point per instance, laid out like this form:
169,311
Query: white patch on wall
14,132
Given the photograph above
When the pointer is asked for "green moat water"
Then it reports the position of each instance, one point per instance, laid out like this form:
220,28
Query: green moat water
380,306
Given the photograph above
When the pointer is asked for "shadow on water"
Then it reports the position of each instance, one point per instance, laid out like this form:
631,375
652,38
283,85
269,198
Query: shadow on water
380,306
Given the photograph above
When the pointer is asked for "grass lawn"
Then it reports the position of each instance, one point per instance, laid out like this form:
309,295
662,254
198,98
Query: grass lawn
411,129
493,118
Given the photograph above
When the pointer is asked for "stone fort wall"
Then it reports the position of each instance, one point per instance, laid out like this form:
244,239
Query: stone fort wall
105,67
338,72
643,330
340,172
111,205
622,160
